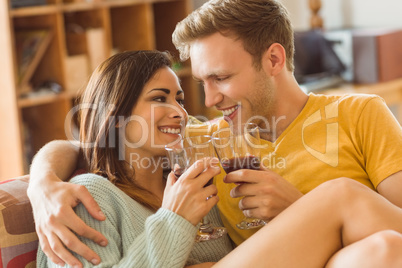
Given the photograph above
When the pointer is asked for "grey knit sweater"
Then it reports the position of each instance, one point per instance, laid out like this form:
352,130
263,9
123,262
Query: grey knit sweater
137,236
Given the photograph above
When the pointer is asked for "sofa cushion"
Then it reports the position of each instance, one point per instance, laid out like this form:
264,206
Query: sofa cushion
18,239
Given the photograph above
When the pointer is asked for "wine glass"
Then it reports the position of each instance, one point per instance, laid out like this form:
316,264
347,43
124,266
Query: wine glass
181,156
239,148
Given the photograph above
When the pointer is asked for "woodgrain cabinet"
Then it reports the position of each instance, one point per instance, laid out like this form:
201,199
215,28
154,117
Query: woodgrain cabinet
38,85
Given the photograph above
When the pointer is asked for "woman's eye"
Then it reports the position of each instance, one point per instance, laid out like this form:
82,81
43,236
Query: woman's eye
160,99
181,102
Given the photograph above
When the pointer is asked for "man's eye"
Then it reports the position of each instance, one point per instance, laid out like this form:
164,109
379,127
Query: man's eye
219,79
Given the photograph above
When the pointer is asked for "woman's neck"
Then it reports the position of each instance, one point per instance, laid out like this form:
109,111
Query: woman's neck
149,173
151,180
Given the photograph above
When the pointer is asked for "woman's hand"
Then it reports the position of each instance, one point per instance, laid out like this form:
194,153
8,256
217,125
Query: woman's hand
187,195
55,220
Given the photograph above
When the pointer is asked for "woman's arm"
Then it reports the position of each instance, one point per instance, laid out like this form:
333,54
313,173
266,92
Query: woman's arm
52,202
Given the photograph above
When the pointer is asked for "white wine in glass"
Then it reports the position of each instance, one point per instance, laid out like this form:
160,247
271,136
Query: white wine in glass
181,156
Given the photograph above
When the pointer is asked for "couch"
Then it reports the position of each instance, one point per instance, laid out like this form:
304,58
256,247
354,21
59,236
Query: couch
18,239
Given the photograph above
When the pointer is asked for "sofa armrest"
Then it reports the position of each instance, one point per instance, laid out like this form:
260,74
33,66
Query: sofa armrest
18,239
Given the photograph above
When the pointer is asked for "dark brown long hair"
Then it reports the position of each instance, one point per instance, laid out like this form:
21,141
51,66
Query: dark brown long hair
112,92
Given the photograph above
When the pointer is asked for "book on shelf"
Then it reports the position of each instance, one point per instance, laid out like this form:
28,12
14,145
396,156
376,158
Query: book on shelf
31,46
27,3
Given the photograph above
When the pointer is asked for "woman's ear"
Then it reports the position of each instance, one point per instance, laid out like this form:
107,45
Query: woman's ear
274,59
120,122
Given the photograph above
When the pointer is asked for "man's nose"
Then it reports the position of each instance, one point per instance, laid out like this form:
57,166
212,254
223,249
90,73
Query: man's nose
212,96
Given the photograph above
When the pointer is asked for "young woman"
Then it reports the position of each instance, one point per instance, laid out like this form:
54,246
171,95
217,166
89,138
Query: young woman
131,108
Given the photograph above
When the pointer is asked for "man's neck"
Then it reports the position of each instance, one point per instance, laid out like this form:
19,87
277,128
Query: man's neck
290,101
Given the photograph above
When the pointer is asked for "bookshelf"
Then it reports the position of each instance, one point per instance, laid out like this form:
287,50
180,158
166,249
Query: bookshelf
81,33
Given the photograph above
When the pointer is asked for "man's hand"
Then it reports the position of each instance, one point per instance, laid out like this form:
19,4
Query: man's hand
265,193
55,220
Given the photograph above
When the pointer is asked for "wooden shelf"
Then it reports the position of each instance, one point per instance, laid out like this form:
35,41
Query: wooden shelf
73,7
83,35
390,91
34,11
122,3
44,99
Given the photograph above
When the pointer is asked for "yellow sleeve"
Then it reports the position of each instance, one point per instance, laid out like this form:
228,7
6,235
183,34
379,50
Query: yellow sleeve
380,136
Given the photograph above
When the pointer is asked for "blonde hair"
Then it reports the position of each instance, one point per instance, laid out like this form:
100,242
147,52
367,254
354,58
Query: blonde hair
257,23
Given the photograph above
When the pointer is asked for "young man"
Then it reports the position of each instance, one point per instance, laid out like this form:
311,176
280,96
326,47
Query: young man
242,53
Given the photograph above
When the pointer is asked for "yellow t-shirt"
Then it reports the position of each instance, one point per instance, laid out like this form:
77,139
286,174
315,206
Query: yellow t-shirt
354,136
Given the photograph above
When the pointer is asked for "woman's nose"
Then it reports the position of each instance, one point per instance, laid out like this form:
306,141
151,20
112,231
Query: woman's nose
178,112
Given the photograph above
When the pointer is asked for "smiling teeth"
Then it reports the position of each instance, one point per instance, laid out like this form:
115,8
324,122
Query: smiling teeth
171,130
229,111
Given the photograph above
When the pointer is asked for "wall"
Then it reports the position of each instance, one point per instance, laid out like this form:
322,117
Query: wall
345,13
348,13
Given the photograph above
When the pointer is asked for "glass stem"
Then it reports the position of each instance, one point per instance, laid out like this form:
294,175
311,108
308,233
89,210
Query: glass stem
205,226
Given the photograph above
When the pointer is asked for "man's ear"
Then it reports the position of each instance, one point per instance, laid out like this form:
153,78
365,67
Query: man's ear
274,59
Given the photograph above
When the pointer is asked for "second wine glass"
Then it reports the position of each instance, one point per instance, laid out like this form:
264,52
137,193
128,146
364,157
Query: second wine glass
181,156
239,148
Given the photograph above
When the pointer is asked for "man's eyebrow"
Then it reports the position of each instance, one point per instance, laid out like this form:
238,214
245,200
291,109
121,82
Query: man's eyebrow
197,79
209,76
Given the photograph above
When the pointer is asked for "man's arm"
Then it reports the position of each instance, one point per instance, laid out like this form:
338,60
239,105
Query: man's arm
60,158
53,201
391,188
